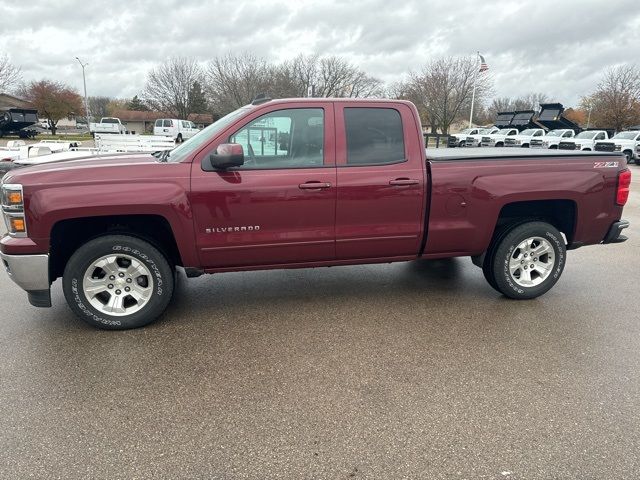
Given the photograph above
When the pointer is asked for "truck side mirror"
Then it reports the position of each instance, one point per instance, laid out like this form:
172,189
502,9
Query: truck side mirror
227,155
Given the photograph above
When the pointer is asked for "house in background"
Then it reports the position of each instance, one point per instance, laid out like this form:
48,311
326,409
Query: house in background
9,101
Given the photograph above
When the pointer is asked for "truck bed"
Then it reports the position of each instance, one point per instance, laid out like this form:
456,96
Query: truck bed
469,189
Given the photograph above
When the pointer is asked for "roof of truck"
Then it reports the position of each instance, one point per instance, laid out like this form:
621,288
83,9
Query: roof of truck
504,153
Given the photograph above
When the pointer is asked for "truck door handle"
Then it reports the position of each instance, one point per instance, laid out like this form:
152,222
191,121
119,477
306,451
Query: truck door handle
403,181
314,185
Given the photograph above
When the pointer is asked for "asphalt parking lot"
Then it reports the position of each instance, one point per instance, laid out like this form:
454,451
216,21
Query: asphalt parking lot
416,370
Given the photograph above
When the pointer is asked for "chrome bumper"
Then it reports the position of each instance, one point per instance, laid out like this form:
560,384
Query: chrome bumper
31,273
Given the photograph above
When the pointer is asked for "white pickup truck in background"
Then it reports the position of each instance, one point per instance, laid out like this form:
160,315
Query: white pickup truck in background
553,138
458,139
108,125
585,141
476,140
497,139
523,139
625,142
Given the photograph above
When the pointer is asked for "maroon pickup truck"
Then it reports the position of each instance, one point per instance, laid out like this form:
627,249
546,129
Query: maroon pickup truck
300,183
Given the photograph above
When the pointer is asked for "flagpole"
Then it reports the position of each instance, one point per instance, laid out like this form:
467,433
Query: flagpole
473,96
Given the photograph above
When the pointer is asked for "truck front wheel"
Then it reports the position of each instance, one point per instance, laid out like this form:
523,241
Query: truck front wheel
118,282
528,260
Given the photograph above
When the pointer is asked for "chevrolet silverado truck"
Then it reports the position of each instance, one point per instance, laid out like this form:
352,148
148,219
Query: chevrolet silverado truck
524,138
552,139
298,183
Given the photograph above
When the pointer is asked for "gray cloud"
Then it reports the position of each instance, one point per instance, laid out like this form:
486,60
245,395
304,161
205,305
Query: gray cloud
559,48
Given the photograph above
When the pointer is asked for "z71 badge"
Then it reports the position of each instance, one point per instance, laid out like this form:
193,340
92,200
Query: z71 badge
605,165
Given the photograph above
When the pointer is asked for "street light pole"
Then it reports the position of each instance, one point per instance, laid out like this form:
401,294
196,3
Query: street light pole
84,81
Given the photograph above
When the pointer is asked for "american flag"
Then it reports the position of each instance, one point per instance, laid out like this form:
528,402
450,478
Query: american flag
483,64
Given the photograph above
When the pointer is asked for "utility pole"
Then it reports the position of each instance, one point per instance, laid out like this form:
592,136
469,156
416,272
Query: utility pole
84,81
473,95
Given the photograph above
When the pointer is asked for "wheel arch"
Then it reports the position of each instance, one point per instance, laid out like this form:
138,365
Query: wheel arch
68,235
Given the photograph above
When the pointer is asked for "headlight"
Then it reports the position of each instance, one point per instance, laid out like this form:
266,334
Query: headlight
13,209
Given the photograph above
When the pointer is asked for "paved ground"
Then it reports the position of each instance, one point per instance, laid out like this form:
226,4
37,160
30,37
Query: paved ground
413,370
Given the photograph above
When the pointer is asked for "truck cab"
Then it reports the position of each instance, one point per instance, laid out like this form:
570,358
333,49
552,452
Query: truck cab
498,139
476,139
584,141
524,138
552,139
625,142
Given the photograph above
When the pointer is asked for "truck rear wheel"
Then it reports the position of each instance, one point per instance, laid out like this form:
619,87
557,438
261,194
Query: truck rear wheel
528,260
118,282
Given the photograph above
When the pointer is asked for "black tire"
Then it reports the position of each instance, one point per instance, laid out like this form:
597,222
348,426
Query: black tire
525,145
162,281
638,160
553,147
505,248
461,144
499,144
628,155
487,265
179,138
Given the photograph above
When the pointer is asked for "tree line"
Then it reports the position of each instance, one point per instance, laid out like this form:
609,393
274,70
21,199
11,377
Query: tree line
442,90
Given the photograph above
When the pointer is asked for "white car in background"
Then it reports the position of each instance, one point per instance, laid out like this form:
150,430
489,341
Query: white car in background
585,141
179,130
497,139
553,138
476,140
523,139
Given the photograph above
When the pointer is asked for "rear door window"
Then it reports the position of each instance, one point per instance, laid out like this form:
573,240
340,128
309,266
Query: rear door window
374,136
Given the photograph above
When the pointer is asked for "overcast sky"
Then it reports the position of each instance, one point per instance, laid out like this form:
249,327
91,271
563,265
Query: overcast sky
559,47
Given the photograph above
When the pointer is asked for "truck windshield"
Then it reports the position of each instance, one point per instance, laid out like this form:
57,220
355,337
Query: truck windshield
199,139
554,133
504,131
109,120
626,136
589,135
466,131
528,131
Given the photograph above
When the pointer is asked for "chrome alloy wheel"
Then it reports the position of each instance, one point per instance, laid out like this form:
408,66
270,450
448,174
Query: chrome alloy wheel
117,284
531,262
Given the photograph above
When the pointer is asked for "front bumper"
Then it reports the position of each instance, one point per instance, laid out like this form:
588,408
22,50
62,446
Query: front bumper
31,273
615,232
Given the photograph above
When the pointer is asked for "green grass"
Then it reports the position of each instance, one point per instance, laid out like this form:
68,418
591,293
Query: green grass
71,138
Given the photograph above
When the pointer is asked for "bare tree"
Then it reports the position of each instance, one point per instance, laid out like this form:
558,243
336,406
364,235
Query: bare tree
331,77
235,80
444,88
170,85
616,101
9,74
98,106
